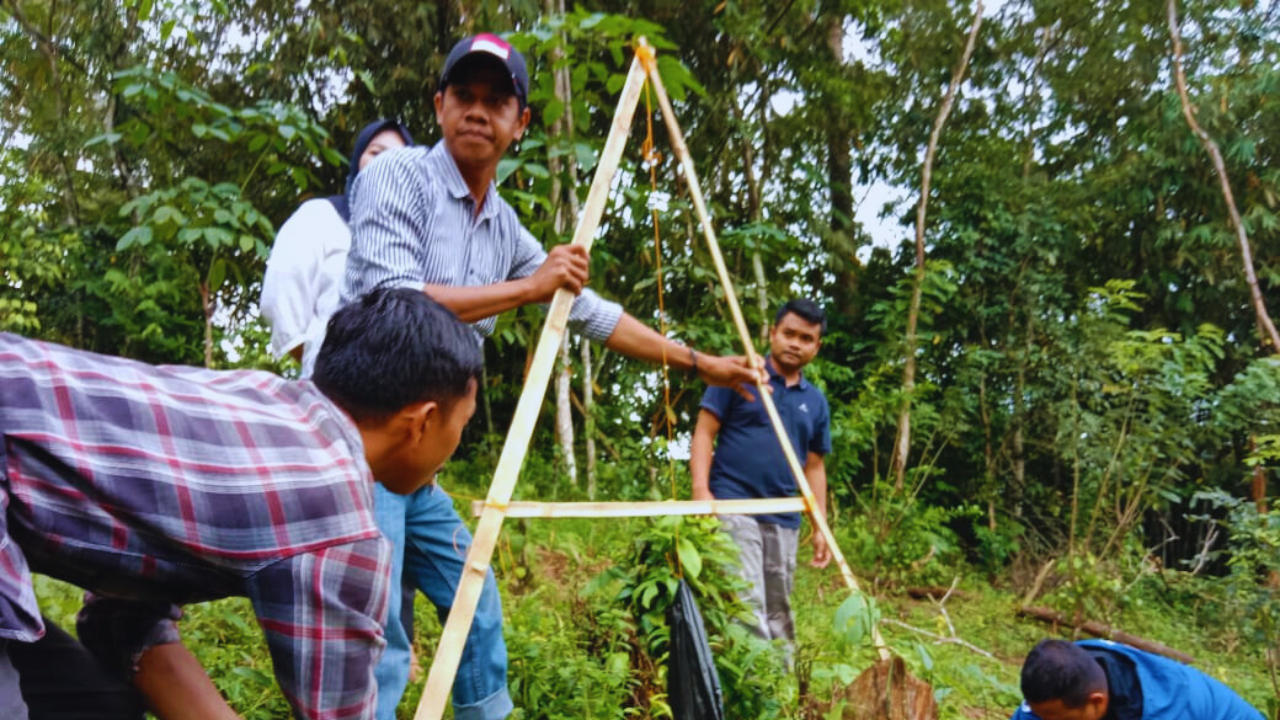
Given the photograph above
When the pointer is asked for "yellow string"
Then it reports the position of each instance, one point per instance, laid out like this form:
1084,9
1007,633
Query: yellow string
652,157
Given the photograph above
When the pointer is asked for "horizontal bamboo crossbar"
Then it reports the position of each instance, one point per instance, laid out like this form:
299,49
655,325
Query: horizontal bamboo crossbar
662,508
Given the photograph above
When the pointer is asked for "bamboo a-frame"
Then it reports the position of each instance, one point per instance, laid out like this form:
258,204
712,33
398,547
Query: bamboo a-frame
498,505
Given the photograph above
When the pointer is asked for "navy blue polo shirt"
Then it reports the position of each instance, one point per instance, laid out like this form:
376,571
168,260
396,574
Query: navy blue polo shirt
748,462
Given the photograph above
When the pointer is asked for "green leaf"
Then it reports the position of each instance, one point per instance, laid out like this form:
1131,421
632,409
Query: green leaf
217,273
618,664
690,559
137,236
648,593
925,658
168,214
218,237
331,156
677,78
288,132
851,607
586,157
553,111
110,138
246,243
506,166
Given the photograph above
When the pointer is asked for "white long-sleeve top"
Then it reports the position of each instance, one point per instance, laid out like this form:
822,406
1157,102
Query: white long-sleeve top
304,278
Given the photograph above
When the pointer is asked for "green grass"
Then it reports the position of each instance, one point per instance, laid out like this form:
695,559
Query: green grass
544,567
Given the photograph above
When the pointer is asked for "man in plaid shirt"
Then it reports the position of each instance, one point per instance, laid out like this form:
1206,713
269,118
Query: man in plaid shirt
181,485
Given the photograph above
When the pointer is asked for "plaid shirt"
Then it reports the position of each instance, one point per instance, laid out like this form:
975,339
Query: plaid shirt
183,485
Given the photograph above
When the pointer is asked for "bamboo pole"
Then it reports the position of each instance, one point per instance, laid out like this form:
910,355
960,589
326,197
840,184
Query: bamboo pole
445,664
695,192
662,508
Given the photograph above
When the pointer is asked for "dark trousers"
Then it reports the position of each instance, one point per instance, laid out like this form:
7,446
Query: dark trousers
55,678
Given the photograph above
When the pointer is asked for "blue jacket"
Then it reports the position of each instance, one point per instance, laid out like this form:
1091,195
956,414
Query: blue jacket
1171,690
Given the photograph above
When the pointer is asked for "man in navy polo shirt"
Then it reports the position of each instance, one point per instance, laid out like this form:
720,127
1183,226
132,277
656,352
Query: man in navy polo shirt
748,462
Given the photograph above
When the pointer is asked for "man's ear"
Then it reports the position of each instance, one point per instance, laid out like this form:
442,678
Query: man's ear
525,115
438,100
413,421
425,417
1098,702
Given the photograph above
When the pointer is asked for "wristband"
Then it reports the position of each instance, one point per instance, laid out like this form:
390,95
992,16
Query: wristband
693,358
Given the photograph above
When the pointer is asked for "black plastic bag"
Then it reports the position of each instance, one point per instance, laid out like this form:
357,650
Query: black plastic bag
693,686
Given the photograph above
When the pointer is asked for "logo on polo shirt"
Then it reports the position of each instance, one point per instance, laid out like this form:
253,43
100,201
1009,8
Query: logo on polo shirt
804,407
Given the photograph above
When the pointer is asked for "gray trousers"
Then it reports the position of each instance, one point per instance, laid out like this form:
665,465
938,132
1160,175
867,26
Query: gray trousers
768,554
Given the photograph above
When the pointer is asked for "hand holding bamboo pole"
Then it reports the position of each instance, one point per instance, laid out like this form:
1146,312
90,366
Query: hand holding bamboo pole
458,625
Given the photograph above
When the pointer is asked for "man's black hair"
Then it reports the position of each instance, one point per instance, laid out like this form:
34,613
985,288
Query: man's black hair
1059,670
392,348
806,310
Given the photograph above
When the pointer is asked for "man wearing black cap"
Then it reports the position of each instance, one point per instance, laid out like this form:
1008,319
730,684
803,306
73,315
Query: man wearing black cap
432,219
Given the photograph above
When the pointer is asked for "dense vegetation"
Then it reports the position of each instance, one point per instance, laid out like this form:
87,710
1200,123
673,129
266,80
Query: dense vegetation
1062,361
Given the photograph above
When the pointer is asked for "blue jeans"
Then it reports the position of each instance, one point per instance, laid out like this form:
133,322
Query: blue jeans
431,544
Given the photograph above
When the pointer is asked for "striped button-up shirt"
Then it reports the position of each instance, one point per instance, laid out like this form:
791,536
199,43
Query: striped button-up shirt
414,222
183,485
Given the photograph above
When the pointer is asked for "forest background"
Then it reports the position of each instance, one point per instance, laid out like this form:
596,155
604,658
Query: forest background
1055,383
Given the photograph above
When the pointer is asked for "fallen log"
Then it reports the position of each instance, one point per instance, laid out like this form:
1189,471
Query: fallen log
936,592
1107,632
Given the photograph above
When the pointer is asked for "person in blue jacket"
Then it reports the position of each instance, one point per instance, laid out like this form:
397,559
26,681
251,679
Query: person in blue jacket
1100,679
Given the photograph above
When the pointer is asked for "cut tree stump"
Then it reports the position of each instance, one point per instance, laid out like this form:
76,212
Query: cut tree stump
1107,632
886,691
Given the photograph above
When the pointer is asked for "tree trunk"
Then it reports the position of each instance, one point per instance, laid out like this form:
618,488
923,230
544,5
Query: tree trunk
588,419
206,304
564,412
122,60
484,393
902,445
988,451
1020,421
49,49
1018,443
564,373
839,149
1109,632
1266,328
754,209
1032,104
1258,487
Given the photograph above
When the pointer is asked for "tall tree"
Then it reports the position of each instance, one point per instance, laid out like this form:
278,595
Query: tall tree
902,445
1266,328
